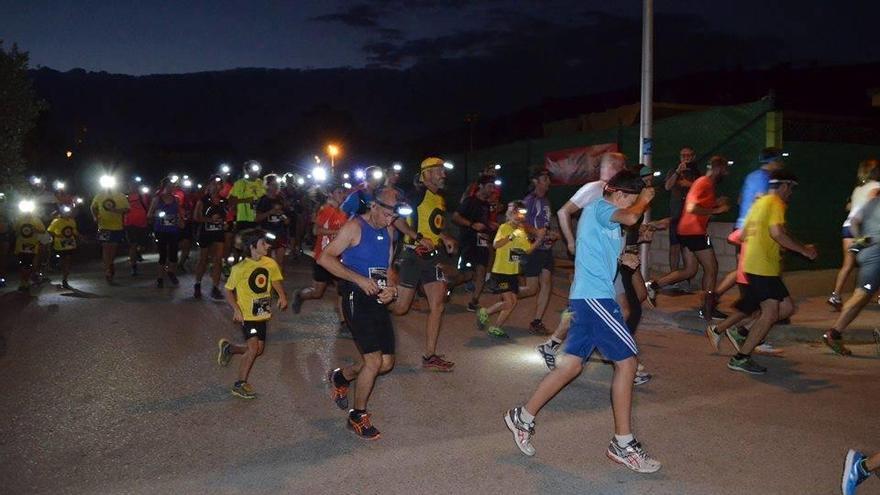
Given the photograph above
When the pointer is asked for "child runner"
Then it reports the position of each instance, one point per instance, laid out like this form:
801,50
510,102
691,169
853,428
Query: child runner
64,235
249,293
28,229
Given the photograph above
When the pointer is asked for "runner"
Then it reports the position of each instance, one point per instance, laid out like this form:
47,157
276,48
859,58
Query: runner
425,257
678,182
857,467
538,269
511,245
249,293
358,202
865,228
166,212
327,224
136,231
28,230
700,205
210,219
472,217
598,322
271,217
64,240
867,188
244,196
108,208
764,235
190,198
360,256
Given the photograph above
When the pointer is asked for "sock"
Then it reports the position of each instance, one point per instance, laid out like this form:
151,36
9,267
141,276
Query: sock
834,334
339,379
239,382
526,416
554,342
623,440
355,414
863,467
740,356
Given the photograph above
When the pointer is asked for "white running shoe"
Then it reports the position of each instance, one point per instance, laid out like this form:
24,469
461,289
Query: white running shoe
522,431
632,456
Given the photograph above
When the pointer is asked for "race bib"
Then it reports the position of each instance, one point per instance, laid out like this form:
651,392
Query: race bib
103,236
516,255
262,306
440,276
482,240
380,276
213,227
68,243
28,248
169,220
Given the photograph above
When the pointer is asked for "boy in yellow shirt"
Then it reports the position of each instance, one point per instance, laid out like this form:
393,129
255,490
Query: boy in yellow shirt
28,230
64,238
511,245
249,293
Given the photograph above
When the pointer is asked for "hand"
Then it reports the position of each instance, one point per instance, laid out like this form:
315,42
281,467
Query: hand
427,244
630,260
722,205
478,226
682,166
237,316
571,249
810,252
368,285
646,233
282,302
387,294
647,195
450,244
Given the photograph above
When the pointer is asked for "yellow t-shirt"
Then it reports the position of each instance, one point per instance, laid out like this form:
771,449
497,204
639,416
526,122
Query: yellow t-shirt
252,282
508,256
107,220
762,255
27,234
64,233
429,219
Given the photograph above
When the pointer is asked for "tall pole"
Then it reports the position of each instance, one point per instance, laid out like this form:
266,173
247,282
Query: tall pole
646,124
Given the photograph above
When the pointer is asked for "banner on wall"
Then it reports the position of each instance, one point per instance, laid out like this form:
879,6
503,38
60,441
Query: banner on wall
576,166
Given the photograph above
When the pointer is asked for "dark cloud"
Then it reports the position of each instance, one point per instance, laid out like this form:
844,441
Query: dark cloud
359,15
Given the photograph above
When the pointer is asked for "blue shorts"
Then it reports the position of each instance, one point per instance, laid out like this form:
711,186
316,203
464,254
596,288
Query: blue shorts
598,323
111,236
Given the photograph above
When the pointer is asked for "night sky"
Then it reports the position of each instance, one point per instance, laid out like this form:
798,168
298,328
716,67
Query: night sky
141,37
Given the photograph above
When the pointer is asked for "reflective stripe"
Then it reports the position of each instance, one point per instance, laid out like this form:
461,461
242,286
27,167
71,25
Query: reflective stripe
615,325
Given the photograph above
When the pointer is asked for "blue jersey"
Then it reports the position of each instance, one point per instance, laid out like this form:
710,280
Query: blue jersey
166,217
356,203
756,184
370,257
599,244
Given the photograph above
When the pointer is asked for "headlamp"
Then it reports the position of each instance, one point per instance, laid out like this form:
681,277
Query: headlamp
448,165
59,185
145,190
26,206
107,181
397,167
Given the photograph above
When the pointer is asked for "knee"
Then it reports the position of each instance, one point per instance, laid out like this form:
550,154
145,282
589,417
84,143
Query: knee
387,364
373,361
628,365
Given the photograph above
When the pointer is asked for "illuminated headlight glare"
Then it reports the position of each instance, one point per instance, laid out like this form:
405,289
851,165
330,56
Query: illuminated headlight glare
198,186
497,166
522,211
174,179
247,176
404,210
185,177
65,209
187,183
161,214
359,174
345,175
656,173
137,178
107,181
730,162
377,174
218,179
785,154
255,167
448,165
300,181
346,185
145,190
59,185
225,169
36,180
498,182
397,167
270,236
26,206
230,259
319,174
79,201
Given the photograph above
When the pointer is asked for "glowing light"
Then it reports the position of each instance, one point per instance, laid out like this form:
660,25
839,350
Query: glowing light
498,182
332,150
397,167
270,236
522,211
187,183
137,178
224,168
448,165
378,174
359,174
255,167
59,185
497,166
36,180
785,153
174,178
198,186
300,181
79,201
68,153
656,173
161,214
230,259
185,177
218,179
26,206
347,185
404,210
345,175
107,181
247,176
65,209
145,190
320,174
317,159
730,162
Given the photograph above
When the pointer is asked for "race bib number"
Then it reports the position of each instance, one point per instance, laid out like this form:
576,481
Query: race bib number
28,248
482,240
440,276
516,256
103,236
275,218
169,220
262,306
68,243
213,227
380,276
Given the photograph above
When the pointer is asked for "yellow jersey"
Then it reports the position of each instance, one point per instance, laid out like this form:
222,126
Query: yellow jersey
252,282
429,217
27,234
509,256
762,254
108,220
64,233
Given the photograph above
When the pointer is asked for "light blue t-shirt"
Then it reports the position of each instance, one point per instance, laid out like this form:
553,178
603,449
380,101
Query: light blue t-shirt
599,244
756,184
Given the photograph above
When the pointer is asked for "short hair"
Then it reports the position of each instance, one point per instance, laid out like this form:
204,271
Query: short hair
868,170
717,160
250,237
781,177
625,181
612,159
382,189
769,154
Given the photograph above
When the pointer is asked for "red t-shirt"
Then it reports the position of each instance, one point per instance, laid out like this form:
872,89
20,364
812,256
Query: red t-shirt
138,204
224,193
701,193
329,217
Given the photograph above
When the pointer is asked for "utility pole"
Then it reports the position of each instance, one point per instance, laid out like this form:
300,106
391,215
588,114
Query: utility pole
646,124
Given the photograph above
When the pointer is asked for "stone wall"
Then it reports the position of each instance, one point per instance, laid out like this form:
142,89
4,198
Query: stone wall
724,251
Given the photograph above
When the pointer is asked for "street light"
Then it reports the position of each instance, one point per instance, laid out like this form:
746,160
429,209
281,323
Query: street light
332,150
68,153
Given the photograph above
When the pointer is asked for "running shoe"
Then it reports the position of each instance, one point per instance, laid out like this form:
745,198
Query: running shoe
836,345
835,301
853,472
746,365
652,289
297,304
642,377
197,291
735,338
716,315
537,327
338,393
768,349
522,431
497,332
436,363
482,318
362,427
216,294
134,270
173,278
160,282
713,336
473,307
244,390
632,456
223,354
548,353
65,284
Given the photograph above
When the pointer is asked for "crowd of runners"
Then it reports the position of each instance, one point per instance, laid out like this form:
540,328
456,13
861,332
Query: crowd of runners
381,248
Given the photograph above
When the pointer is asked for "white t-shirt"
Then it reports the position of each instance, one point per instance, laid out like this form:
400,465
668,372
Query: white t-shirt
588,193
860,196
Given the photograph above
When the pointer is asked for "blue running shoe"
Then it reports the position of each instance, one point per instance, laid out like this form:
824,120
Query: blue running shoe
853,473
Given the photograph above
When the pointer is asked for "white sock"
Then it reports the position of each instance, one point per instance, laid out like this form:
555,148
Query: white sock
623,440
525,415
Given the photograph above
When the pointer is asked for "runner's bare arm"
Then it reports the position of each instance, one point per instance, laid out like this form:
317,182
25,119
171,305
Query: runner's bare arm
631,215
282,297
349,235
564,214
780,235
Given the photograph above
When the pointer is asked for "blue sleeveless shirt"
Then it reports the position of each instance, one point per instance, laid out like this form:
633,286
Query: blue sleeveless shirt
370,257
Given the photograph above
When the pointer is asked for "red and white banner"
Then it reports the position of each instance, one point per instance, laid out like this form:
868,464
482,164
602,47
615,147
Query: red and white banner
576,166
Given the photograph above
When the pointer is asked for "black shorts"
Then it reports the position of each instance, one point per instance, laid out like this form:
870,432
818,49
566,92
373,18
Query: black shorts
26,260
208,237
166,245
251,329
500,283
320,274
136,235
369,320
761,288
694,243
239,226
111,236
415,270
746,304
473,256
67,253
673,231
186,233
538,261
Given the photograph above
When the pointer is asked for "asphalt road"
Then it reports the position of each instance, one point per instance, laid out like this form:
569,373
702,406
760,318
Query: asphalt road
116,390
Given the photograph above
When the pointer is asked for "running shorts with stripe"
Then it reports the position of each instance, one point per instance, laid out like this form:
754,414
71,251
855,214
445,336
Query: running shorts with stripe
598,323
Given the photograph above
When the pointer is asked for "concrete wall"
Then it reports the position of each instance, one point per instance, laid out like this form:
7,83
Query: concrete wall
718,231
